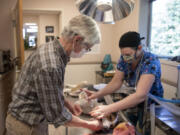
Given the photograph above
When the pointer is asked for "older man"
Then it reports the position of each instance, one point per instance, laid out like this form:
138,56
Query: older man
37,97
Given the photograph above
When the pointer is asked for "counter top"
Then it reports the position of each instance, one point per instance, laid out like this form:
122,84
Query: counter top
3,75
168,119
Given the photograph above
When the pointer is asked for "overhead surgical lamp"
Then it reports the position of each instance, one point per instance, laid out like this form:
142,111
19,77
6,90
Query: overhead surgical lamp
106,11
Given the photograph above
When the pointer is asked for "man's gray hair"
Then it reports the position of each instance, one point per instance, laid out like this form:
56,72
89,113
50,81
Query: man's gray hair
85,27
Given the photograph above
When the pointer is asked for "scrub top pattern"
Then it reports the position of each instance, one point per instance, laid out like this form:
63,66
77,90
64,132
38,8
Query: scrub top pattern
149,64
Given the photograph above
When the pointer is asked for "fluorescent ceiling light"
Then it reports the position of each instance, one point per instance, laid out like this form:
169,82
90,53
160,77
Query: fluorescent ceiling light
31,24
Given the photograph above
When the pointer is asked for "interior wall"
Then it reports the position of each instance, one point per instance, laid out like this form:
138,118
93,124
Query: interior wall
106,46
136,21
6,43
130,23
69,10
42,20
76,73
48,20
145,20
169,71
6,34
169,91
170,76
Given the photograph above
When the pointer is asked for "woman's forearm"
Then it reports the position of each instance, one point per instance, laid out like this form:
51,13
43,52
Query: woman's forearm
128,102
143,88
110,88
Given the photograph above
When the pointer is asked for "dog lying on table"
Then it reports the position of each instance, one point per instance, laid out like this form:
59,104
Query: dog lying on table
108,123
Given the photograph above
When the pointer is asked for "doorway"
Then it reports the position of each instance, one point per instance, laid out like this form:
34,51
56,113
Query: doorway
39,27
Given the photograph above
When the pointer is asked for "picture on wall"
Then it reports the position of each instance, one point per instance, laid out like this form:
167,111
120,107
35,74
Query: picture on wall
49,38
49,29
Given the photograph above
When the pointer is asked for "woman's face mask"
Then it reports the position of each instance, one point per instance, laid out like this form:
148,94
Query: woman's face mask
128,59
128,54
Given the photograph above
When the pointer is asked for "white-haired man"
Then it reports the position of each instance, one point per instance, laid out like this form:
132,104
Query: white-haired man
37,98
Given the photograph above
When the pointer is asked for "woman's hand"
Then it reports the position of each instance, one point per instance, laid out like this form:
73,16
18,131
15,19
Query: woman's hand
91,94
100,112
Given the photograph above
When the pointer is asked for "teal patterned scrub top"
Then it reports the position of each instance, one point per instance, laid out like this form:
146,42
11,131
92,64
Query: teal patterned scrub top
149,64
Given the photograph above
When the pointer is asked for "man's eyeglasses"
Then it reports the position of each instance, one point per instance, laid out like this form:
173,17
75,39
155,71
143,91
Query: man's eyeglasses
87,47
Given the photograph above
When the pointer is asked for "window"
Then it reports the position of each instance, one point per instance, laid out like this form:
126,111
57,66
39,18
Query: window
30,32
165,28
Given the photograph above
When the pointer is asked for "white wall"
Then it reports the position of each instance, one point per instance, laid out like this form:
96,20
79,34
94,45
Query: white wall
169,74
130,23
6,34
81,72
28,18
48,20
6,43
42,20
169,91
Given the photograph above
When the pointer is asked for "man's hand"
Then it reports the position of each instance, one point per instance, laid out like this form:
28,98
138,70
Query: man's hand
91,124
75,109
100,112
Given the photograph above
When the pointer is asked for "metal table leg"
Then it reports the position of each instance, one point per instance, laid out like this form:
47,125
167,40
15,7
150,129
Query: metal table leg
66,130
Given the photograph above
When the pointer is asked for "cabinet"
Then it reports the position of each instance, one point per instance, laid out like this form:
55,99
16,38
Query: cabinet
101,78
6,85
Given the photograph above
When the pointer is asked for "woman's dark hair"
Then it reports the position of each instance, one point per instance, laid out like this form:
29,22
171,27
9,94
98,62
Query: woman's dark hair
130,39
